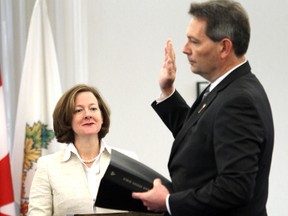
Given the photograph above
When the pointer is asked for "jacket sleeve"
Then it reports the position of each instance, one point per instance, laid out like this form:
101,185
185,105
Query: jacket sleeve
172,112
40,200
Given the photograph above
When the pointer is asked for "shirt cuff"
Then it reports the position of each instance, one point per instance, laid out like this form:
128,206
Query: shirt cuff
161,99
167,204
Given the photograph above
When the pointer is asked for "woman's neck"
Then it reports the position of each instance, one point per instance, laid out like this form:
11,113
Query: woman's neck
88,147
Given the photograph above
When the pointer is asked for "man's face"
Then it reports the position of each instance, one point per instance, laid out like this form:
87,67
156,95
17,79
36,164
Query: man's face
203,53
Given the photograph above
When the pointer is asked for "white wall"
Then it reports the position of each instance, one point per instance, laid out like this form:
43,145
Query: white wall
118,46
126,51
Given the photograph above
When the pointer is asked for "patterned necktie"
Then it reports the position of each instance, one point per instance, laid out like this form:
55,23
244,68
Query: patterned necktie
207,91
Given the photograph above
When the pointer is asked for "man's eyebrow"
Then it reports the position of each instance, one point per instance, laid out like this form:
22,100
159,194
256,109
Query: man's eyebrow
193,38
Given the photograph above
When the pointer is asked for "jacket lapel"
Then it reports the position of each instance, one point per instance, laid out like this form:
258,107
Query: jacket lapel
199,108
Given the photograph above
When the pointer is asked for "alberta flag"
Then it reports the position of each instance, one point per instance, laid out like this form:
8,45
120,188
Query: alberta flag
6,190
39,92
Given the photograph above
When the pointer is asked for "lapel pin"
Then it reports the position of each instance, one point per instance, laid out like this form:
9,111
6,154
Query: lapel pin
203,106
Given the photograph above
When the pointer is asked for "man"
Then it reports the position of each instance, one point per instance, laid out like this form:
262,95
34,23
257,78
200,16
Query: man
220,159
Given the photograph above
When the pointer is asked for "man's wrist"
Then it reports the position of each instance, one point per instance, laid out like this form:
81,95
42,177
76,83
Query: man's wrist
166,92
164,97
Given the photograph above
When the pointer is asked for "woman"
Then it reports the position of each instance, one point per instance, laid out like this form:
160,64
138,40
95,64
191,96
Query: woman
67,181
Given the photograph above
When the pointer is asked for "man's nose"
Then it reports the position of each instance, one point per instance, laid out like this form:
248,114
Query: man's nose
186,49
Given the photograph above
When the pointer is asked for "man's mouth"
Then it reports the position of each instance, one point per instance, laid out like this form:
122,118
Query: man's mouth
192,62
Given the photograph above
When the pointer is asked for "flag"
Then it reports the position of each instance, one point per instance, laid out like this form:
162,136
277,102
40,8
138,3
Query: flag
6,190
39,91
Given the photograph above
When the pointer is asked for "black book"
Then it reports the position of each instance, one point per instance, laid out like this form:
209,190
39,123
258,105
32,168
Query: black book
123,176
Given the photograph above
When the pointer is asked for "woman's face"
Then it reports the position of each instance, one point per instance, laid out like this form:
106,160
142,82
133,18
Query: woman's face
87,118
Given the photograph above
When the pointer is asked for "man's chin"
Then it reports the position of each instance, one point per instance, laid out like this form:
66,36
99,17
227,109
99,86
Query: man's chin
194,70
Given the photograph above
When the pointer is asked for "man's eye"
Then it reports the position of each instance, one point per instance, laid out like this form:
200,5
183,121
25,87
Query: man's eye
193,41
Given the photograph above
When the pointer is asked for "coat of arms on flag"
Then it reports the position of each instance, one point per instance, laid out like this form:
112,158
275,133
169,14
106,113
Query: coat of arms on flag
37,137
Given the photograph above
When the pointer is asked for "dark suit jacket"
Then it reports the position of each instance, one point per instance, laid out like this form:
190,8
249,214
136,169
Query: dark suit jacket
220,159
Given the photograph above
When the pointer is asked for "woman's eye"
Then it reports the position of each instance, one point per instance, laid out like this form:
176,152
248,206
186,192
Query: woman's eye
77,110
93,108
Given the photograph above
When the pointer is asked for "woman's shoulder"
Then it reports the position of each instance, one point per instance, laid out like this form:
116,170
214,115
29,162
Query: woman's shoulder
56,156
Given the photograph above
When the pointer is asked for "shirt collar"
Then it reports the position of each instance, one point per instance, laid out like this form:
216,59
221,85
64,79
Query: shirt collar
217,81
72,149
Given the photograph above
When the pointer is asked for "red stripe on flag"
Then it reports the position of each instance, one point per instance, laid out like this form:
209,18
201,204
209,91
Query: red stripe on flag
6,195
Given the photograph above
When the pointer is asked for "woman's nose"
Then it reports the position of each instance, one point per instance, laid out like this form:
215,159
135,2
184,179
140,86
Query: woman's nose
87,115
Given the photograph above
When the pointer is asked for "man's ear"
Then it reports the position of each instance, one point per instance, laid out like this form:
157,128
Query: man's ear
226,47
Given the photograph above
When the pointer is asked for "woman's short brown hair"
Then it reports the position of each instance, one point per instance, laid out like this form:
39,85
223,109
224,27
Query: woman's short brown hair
63,114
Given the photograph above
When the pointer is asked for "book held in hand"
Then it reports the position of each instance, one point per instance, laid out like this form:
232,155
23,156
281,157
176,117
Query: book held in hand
123,176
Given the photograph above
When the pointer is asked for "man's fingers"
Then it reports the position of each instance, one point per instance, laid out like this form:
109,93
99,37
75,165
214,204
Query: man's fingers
170,49
136,195
157,182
